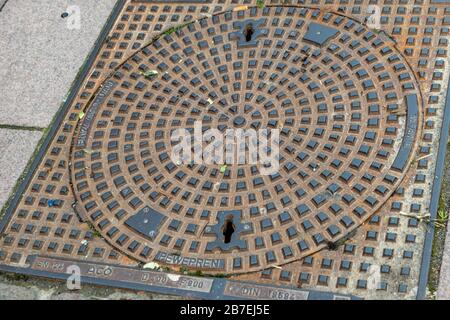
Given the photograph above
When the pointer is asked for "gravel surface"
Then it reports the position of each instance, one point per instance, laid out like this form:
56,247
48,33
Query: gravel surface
17,287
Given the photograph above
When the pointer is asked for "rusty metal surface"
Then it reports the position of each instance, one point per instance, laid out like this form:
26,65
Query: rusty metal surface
125,114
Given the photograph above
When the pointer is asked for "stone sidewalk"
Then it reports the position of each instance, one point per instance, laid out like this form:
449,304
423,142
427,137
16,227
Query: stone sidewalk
14,287
40,57
42,53
17,147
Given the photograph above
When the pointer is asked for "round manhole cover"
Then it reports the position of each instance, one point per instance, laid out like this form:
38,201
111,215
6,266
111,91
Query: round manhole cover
343,101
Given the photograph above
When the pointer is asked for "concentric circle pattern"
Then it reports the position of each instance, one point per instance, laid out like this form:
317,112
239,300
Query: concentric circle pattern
345,101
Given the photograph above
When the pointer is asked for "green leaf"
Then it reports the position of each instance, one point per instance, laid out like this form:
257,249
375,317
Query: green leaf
150,74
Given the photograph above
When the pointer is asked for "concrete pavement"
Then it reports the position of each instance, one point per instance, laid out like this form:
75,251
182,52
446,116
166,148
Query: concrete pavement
40,58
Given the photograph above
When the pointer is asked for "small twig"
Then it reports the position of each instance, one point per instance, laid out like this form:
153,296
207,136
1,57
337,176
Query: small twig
426,218
423,157
277,267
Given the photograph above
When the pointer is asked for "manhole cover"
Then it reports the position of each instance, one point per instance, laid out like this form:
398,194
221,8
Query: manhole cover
345,101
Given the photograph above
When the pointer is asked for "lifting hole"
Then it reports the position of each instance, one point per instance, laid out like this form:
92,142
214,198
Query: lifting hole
228,230
248,32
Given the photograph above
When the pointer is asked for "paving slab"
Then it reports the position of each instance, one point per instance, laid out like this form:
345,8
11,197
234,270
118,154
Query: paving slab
42,53
29,288
17,147
234,193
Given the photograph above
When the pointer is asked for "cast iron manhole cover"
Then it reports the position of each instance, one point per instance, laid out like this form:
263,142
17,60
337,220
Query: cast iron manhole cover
345,101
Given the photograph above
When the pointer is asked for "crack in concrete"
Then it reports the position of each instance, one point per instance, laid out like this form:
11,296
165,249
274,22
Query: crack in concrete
23,128
3,4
